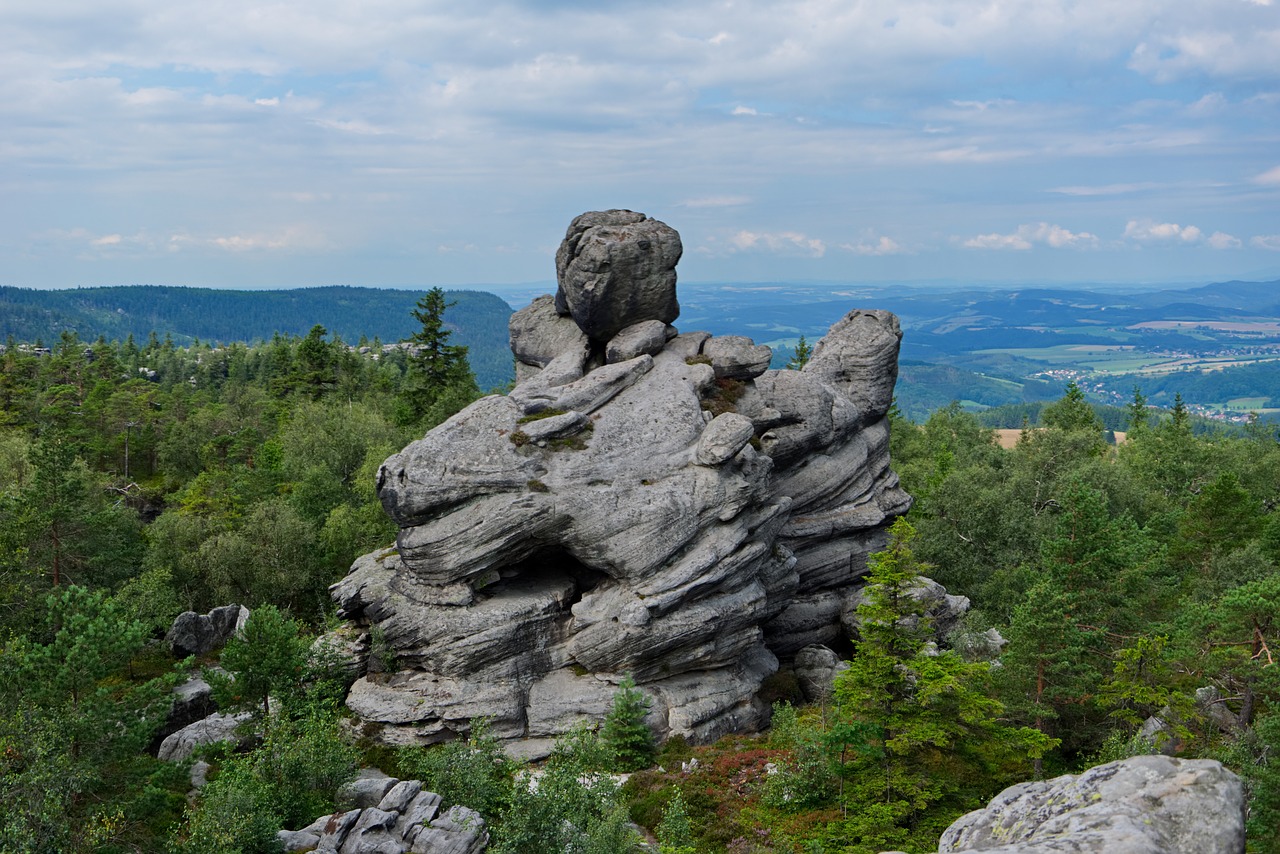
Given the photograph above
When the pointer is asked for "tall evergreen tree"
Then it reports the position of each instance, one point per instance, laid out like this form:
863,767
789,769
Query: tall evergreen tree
439,377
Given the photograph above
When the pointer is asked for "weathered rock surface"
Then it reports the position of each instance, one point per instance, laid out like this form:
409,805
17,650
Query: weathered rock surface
1160,731
197,634
401,818
941,608
816,668
211,730
1141,805
192,701
598,520
616,268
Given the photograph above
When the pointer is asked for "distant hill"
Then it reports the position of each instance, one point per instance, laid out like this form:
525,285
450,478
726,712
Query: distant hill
478,319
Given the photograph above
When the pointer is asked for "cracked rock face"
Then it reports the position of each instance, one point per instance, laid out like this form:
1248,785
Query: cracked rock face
1153,804
646,503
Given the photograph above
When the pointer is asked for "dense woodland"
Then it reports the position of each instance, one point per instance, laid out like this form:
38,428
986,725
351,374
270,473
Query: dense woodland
143,479
189,315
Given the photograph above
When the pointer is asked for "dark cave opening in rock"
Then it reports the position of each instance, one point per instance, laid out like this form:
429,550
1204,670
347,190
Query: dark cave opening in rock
550,565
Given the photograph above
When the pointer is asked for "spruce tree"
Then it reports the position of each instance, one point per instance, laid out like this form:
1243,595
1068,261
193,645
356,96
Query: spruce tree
917,735
439,377
625,731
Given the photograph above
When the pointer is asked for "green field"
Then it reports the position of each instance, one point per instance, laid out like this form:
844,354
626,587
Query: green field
1113,360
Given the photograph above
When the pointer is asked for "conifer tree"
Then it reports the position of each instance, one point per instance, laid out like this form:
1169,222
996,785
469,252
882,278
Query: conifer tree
915,725
438,373
625,731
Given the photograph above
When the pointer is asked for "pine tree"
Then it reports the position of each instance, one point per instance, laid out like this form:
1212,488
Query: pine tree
439,376
802,355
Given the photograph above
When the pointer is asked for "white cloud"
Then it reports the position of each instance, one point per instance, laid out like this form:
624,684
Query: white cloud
715,202
1270,178
1027,236
782,242
183,115
106,240
1266,241
1147,231
1221,240
881,246
1105,189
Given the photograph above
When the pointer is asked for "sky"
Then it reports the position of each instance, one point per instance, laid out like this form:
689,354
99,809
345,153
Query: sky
410,142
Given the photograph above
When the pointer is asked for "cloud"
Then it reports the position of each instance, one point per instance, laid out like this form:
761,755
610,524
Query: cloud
788,242
1104,189
1269,242
1027,236
1269,178
1220,240
106,240
882,246
715,202
745,111
1147,231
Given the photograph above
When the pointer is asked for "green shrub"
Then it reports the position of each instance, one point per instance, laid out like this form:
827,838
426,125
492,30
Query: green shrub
625,731
236,814
474,773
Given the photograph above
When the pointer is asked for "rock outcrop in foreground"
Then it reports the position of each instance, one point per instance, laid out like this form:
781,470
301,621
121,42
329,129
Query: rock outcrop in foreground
1142,805
643,502
384,815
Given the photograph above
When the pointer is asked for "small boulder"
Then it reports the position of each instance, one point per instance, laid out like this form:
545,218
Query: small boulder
616,268
210,730
197,634
816,667
646,338
736,357
727,434
539,334
366,790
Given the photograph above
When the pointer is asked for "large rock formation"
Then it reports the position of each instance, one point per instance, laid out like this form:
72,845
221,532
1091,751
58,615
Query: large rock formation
1142,805
642,502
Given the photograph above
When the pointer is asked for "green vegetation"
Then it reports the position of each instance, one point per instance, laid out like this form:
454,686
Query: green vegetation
192,315
138,480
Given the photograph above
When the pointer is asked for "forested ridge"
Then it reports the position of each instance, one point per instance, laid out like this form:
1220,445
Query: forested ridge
143,479
479,320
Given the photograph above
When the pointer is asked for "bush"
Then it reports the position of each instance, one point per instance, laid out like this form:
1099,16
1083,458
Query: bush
235,815
474,773
305,761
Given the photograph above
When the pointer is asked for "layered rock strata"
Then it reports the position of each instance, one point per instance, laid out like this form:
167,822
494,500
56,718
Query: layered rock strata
643,502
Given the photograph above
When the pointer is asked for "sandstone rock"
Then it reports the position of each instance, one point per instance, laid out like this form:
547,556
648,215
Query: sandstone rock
197,634
539,334
737,358
1143,804
598,521
859,356
210,730
646,338
366,790
816,668
724,437
616,268
192,702
943,609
